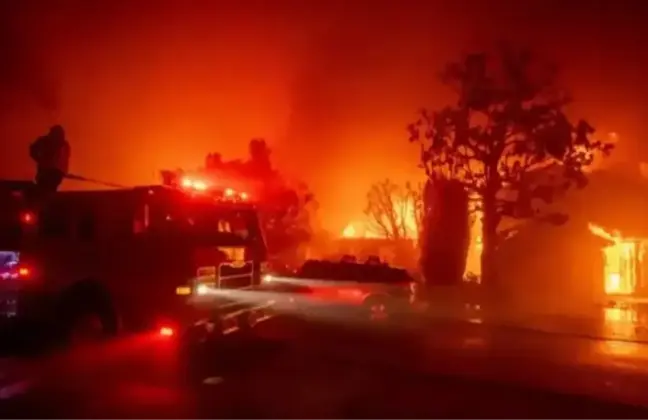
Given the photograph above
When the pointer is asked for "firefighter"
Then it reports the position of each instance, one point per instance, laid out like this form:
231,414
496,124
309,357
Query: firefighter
52,156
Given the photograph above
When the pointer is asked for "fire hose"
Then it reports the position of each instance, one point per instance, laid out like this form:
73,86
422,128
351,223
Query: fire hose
93,181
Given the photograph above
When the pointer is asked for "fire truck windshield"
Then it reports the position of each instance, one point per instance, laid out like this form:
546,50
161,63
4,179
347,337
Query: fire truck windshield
229,225
215,219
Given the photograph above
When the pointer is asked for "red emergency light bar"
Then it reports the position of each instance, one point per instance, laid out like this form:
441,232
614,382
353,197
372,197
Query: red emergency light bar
193,184
200,186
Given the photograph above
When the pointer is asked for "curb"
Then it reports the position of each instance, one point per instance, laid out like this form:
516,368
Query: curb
14,389
11,387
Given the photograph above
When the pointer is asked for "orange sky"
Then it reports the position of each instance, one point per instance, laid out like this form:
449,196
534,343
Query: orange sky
145,85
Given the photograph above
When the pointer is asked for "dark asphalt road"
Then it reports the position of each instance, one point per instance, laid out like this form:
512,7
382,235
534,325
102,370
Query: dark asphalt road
309,370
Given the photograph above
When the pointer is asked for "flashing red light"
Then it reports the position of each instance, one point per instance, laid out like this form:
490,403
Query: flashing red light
202,186
27,217
199,185
166,331
19,271
194,184
186,182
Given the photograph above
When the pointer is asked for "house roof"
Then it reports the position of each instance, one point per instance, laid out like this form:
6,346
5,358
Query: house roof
613,200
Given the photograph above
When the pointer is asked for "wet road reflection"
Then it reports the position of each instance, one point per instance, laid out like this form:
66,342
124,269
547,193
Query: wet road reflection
140,376
621,322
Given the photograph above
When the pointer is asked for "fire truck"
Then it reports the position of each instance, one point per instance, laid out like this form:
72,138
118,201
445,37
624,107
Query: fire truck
95,263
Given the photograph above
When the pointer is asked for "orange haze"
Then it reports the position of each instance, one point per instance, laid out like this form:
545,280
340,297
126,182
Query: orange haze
146,85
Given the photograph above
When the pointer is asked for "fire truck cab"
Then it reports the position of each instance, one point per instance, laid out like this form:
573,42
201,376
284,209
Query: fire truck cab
127,259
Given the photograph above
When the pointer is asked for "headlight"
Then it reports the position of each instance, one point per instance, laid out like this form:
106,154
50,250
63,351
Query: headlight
267,278
264,267
202,289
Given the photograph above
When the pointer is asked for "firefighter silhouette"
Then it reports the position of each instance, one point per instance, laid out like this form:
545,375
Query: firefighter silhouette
52,156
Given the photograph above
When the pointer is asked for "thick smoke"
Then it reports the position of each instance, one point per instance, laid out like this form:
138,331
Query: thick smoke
25,76
322,101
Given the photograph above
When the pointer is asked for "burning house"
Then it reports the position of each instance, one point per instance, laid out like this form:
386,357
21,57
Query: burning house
617,204
625,273
598,256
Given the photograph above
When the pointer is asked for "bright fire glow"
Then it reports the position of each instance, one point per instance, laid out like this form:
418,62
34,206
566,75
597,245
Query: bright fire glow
199,185
186,182
622,260
473,260
408,218
202,185
349,231
365,228
620,323
195,184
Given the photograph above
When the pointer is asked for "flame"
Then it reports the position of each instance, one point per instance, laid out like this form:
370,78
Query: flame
349,231
407,213
622,260
614,236
473,259
402,209
186,182
194,184
199,185
620,322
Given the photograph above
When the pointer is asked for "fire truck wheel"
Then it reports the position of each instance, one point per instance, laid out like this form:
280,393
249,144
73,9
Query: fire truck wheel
246,323
86,328
87,315
196,352
207,357
377,308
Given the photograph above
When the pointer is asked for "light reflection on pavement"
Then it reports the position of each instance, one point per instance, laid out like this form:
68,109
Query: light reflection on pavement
140,371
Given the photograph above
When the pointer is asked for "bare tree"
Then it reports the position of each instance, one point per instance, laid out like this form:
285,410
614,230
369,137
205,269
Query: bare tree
395,211
414,193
